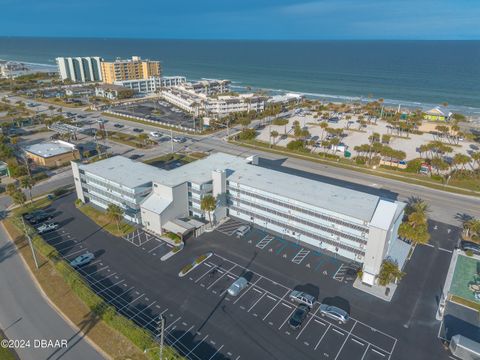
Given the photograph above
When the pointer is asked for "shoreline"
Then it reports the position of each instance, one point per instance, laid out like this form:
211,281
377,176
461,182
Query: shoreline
472,112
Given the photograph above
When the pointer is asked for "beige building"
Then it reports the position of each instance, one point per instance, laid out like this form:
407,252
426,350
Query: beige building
130,69
52,154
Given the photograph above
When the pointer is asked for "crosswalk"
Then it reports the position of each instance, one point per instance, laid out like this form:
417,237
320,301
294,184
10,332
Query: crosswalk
229,227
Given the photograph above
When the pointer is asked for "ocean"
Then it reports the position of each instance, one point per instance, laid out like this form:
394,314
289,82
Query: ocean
410,73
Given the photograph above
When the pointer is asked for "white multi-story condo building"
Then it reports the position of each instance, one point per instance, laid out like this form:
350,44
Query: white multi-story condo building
153,84
209,86
80,69
217,105
356,225
223,105
116,180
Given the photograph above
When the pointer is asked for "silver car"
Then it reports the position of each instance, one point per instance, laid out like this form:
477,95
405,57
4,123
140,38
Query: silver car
237,286
301,297
83,259
334,313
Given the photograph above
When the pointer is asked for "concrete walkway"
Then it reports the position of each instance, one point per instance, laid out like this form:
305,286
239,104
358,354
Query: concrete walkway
26,315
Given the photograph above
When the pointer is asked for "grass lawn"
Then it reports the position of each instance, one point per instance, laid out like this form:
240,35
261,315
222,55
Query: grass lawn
102,219
465,274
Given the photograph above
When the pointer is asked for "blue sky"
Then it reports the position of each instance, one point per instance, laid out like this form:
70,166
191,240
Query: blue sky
243,19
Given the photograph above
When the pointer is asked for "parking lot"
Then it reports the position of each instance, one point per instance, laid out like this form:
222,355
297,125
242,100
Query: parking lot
157,111
328,264
204,322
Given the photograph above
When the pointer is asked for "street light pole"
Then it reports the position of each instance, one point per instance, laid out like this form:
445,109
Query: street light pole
160,329
171,139
30,243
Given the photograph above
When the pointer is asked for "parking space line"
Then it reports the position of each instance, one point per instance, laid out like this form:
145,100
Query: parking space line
378,352
338,331
215,353
346,338
98,270
256,302
201,277
143,310
366,350
250,287
225,273
357,341
185,333
173,322
127,304
273,308
156,247
318,343
206,336
308,322
286,319
76,252
393,348
108,287
103,278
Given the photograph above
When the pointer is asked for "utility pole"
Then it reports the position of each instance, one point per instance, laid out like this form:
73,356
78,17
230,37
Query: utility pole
30,243
160,329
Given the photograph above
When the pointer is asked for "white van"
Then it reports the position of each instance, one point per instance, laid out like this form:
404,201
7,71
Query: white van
242,230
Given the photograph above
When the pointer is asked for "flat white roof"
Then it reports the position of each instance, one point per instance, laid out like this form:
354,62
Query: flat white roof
384,215
49,149
124,171
357,204
155,203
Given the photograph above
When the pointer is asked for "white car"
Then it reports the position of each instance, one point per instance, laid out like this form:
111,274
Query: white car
81,260
179,139
239,284
46,227
155,134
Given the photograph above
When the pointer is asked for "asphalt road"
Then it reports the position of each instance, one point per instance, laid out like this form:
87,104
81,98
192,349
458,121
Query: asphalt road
26,316
205,323
445,207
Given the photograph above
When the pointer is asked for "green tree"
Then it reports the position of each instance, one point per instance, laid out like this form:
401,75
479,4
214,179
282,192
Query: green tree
19,198
27,182
389,273
274,134
143,138
208,204
115,213
471,229
461,159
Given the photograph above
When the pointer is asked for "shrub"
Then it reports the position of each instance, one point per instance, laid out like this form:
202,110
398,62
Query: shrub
78,203
186,268
247,134
280,121
469,252
296,145
361,160
201,258
176,249
414,165
59,192
39,176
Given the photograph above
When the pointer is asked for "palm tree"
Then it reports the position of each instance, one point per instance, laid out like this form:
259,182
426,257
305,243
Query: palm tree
19,198
471,228
208,204
115,213
27,183
274,135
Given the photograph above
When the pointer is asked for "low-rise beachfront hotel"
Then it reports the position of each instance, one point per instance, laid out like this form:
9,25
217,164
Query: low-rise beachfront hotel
356,225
